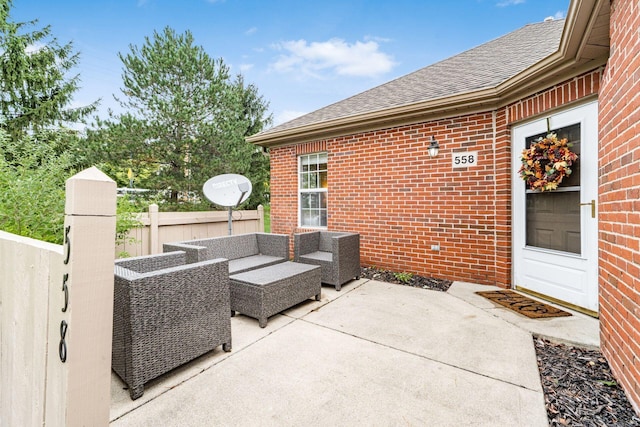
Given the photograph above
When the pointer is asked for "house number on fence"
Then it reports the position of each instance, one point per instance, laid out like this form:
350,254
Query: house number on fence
465,159
62,347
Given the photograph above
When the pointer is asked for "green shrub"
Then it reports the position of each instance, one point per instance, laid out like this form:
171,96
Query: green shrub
267,218
403,277
126,219
33,172
32,177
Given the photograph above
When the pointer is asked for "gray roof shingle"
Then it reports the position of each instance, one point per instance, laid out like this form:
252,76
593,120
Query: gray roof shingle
482,67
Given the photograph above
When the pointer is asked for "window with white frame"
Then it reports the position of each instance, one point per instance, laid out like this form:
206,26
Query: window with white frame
312,185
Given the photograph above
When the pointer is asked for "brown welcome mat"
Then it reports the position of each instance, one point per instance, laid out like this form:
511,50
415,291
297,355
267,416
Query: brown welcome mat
523,305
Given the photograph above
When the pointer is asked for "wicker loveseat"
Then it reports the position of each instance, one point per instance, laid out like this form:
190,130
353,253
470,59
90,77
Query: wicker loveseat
167,313
338,253
244,251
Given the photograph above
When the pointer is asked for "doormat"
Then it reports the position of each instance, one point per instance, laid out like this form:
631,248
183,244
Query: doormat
523,305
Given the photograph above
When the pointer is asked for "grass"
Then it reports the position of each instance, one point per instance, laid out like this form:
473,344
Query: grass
267,219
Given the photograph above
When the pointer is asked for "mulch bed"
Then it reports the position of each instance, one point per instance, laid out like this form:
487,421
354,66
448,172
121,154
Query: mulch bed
415,281
579,389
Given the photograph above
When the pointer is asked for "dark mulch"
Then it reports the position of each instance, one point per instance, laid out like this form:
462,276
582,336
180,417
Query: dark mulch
409,280
579,389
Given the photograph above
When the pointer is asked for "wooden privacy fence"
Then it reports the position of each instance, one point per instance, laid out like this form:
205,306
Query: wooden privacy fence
166,227
57,312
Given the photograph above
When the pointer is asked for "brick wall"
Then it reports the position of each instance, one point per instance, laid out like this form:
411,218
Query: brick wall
502,160
561,95
619,199
384,185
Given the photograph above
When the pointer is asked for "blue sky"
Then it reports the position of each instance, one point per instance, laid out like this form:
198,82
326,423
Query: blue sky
301,54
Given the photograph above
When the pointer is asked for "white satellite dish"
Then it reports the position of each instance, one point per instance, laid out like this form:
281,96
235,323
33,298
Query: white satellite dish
228,190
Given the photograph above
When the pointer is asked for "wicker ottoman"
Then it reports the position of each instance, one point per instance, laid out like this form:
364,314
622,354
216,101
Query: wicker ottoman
267,291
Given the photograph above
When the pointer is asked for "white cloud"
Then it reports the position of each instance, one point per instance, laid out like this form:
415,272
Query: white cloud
505,3
245,67
285,116
377,39
34,47
360,59
559,15
251,31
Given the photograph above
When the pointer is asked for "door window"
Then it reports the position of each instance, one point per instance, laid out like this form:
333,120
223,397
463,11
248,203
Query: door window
553,217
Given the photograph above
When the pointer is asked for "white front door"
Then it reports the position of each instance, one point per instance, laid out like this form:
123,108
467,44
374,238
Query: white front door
555,233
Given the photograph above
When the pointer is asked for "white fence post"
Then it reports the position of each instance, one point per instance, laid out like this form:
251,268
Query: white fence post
154,246
81,308
261,218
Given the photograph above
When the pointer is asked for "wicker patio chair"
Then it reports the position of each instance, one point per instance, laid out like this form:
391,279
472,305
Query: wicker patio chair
338,254
167,313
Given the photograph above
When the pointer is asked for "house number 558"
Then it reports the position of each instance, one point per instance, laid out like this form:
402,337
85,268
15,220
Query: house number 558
465,159
62,346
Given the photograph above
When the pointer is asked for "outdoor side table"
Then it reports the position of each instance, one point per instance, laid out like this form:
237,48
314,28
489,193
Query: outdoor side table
263,292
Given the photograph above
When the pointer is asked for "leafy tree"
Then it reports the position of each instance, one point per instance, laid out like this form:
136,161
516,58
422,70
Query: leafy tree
35,90
185,119
254,113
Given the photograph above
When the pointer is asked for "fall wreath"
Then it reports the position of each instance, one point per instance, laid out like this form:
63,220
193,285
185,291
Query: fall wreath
546,162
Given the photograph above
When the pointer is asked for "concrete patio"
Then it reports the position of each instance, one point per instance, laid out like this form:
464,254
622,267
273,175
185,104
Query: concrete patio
372,354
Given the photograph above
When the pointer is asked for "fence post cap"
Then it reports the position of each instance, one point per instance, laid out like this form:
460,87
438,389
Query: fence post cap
90,192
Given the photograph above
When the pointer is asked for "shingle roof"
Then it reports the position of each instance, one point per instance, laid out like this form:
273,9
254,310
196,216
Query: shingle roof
482,67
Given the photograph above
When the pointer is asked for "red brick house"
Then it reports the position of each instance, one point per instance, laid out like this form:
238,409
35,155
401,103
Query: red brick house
363,165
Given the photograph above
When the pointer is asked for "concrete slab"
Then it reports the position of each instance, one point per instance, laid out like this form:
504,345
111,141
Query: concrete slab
434,325
307,374
372,354
327,295
245,331
578,329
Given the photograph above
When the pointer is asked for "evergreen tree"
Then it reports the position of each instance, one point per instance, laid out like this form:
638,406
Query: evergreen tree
35,87
184,119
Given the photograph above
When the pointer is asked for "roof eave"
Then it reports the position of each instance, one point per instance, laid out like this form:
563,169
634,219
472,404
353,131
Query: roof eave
464,102
551,71
568,60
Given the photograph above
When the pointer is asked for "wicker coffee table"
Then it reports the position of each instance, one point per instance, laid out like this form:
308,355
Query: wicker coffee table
267,291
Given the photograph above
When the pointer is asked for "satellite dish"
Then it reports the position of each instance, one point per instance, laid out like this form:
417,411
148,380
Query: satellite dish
228,190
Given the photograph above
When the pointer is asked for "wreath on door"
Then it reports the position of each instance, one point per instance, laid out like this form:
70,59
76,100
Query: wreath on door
546,162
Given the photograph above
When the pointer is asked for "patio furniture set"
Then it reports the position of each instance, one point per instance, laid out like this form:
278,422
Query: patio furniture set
173,307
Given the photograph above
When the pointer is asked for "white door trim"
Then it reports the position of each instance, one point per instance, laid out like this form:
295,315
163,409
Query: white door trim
572,278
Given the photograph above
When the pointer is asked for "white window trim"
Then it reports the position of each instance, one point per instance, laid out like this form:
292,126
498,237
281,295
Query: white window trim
315,190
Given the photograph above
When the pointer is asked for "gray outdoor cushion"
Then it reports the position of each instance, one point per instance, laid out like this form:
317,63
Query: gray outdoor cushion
232,247
252,262
319,256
